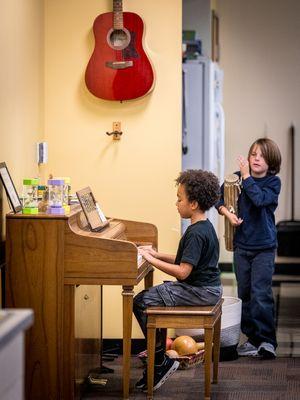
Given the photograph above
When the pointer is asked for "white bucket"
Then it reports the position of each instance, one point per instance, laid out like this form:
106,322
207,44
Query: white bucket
230,323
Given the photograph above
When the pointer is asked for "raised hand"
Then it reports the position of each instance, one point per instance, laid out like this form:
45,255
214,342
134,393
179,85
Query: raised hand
244,167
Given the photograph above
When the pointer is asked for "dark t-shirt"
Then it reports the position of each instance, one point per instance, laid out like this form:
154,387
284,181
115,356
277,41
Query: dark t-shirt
199,246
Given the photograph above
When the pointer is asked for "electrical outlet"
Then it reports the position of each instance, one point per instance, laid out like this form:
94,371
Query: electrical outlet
117,126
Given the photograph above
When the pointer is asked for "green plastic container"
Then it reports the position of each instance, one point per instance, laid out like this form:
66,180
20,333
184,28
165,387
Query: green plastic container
30,196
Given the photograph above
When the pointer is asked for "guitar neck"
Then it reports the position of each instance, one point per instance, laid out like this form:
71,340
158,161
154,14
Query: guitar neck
118,14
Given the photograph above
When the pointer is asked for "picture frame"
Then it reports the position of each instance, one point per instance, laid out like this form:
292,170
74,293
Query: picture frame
94,215
215,38
10,189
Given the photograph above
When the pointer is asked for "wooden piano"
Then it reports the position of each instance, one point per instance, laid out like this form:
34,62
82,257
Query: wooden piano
46,257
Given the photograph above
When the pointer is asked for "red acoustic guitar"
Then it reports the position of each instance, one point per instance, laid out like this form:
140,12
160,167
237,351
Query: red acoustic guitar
119,68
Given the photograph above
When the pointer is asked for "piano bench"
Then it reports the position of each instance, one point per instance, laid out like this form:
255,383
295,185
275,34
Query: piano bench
202,317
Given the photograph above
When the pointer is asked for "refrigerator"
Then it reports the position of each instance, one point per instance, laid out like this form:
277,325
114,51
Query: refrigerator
203,121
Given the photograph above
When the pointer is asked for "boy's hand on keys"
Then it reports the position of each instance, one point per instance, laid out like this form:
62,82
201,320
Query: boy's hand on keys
149,250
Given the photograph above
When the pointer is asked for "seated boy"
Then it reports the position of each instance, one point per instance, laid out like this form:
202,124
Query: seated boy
195,265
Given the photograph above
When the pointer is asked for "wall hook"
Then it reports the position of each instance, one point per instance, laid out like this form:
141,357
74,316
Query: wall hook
116,131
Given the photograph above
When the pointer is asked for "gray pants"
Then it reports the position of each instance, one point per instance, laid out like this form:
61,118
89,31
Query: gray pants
170,294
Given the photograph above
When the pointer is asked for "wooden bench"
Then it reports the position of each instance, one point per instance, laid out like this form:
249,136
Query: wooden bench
205,317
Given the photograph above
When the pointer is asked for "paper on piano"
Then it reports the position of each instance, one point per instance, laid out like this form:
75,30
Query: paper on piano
139,258
144,247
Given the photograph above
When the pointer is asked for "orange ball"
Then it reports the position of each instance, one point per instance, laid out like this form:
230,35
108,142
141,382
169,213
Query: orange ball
184,345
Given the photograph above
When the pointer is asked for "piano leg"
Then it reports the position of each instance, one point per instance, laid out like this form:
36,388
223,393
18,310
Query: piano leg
67,353
127,294
148,280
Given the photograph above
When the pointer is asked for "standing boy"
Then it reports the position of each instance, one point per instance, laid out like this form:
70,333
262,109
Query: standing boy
195,265
255,243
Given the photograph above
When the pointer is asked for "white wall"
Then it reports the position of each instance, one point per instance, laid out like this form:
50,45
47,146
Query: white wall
259,45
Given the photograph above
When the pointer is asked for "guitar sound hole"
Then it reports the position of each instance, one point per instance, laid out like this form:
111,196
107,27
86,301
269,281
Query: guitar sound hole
118,39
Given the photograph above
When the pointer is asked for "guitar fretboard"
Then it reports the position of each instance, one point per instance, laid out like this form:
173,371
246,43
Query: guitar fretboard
118,14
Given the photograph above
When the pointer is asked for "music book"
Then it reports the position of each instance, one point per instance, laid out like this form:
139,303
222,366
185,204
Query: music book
92,211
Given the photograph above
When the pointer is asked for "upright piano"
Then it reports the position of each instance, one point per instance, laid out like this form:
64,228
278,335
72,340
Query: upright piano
47,256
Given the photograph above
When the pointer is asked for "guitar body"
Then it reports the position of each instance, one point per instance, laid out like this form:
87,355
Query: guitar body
119,68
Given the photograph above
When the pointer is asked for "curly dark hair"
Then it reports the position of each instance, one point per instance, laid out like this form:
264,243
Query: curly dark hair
270,152
201,186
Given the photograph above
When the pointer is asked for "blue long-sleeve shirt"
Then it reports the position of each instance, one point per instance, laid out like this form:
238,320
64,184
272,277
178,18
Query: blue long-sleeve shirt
256,206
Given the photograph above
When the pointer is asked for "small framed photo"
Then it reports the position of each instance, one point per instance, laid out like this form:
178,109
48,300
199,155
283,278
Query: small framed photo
10,188
91,209
215,32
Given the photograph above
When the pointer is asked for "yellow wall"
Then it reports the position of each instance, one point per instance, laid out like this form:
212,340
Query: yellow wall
21,94
21,82
132,178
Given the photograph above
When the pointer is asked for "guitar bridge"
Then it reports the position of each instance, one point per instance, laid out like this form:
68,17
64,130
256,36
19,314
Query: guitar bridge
119,64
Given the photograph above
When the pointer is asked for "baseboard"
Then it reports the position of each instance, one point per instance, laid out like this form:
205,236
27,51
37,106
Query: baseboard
226,267
110,346
116,346
280,268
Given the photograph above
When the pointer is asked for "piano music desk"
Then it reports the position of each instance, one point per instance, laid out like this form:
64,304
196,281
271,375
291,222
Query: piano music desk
46,256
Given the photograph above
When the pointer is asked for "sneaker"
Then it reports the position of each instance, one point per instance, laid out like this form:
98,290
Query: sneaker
267,351
161,374
142,383
247,349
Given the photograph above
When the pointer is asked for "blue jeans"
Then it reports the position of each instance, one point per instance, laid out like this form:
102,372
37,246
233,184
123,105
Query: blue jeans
170,294
254,270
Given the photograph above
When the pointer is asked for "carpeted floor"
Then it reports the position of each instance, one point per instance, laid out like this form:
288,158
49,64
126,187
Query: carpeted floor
243,379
